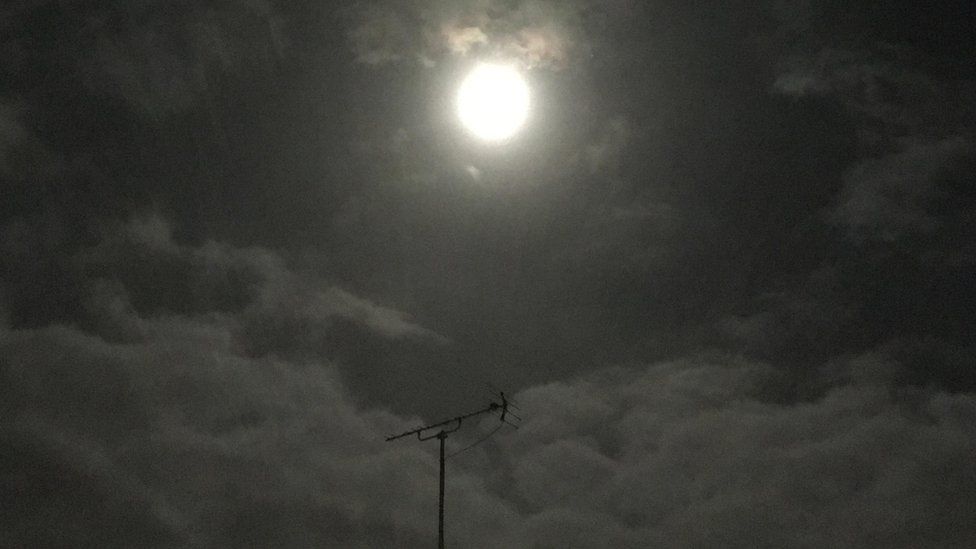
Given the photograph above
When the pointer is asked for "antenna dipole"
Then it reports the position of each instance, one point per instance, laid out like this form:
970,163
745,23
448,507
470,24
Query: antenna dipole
441,435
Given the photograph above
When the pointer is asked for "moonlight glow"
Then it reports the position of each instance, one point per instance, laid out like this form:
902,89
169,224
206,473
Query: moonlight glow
493,101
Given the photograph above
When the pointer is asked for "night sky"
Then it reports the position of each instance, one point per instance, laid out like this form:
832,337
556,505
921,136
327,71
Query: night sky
726,270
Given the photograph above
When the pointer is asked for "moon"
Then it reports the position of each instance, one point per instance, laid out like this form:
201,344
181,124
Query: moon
493,101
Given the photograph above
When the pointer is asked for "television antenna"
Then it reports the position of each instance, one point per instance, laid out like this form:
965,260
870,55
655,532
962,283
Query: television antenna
440,431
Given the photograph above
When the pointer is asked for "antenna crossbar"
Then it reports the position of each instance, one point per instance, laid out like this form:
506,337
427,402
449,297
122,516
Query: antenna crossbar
490,408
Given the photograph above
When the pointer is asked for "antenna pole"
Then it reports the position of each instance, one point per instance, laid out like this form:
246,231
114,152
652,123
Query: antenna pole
442,436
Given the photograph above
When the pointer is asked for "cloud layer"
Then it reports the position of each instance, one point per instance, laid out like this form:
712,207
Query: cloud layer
182,440
169,429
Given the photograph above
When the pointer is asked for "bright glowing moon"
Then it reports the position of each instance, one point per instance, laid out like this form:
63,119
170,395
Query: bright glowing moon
493,101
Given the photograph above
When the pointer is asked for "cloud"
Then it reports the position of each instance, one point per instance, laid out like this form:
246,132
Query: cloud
162,62
542,46
267,289
179,439
803,324
878,83
382,37
161,421
159,418
909,110
897,194
893,90
138,270
534,33
303,302
689,454
461,40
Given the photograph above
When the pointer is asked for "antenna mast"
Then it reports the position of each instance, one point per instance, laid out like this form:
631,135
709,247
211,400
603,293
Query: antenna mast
441,435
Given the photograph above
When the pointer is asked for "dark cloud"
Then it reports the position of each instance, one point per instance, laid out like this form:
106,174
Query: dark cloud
889,86
162,276
195,444
192,426
887,197
382,37
908,103
168,429
689,454
163,59
159,410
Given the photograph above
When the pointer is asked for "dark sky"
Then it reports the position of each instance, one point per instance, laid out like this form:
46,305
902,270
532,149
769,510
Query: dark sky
727,269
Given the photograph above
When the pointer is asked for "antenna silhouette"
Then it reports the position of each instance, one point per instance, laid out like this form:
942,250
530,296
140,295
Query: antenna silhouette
441,435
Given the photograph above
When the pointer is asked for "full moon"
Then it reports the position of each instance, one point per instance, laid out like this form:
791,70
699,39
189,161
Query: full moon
493,101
